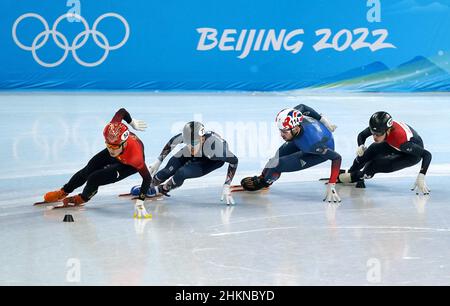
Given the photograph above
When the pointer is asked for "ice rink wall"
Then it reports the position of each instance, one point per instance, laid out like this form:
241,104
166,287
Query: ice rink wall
238,45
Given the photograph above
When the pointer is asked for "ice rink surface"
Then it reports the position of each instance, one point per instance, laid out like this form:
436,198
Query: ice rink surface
382,235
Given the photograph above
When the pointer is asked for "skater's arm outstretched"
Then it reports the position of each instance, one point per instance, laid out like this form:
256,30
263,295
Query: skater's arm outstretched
123,114
336,159
416,150
173,142
221,152
232,161
146,181
310,112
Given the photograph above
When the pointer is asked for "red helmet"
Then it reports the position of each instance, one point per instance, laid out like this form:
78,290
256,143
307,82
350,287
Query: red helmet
116,133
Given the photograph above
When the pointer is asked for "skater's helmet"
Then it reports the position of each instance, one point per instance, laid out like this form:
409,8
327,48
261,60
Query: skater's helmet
380,122
288,118
193,132
116,133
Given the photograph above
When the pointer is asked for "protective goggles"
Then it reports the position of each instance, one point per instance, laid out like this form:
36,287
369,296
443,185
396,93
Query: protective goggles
377,133
114,146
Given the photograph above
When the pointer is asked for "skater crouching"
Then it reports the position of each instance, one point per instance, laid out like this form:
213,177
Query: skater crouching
396,146
309,142
123,157
201,153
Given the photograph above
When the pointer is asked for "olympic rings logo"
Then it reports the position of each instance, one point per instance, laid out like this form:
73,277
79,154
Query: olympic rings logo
78,42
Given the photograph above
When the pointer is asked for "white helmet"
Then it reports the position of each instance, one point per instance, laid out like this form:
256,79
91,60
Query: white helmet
289,118
193,132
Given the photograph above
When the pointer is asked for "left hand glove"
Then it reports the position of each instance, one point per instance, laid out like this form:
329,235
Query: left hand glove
138,125
330,126
420,185
332,195
360,151
140,211
226,194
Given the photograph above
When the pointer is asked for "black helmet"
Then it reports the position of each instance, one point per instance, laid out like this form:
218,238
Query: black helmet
193,132
380,122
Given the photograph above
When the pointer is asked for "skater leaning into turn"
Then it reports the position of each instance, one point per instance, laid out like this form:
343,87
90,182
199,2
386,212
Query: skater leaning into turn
309,142
397,146
201,153
123,156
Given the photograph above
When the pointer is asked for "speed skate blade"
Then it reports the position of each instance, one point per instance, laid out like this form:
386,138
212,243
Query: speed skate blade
239,188
58,206
66,206
155,197
44,203
236,188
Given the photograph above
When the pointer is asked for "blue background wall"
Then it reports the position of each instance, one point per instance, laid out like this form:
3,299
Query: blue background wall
161,50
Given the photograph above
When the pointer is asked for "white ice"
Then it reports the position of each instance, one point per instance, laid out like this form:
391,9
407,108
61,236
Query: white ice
384,234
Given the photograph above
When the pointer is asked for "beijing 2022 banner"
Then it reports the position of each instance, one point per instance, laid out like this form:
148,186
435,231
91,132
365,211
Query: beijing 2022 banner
250,45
